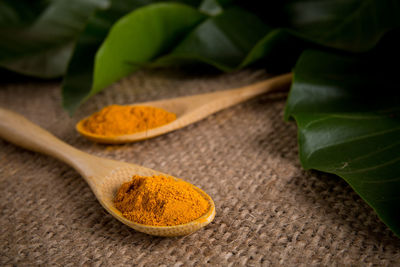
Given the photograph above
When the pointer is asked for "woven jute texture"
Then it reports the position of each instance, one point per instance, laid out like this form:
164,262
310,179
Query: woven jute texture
270,212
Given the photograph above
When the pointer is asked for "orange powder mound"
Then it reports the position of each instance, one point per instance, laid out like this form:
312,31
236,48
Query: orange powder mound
160,201
117,120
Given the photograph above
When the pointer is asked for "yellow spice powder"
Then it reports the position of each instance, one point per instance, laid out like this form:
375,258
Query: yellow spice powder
117,120
160,201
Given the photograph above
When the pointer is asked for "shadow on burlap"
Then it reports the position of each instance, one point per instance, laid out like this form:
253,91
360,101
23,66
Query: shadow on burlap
269,211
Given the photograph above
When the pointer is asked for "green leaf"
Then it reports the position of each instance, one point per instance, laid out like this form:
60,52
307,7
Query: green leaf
132,41
79,75
227,43
42,48
351,25
139,37
354,26
348,115
277,52
78,80
222,41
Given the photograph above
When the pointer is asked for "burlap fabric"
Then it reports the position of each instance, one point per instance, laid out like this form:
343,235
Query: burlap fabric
269,211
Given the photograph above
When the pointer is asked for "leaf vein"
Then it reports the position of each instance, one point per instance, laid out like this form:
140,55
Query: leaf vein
342,116
352,140
382,181
373,167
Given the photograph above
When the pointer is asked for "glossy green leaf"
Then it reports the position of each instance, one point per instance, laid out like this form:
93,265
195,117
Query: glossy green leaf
43,47
77,83
140,37
348,115
78,80
227,43
351,25
222,41
278,51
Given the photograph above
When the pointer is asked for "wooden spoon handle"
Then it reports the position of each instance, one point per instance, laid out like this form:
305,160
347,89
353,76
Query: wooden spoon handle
20,131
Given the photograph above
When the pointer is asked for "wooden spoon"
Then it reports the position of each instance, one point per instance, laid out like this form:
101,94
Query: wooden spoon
104,176
190,109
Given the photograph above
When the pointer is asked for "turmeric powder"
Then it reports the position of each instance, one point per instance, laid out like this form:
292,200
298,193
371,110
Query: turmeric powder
117,120
160,201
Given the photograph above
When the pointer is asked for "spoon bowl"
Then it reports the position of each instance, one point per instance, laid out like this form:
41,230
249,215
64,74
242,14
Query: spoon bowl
120,172
190,109
104,176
